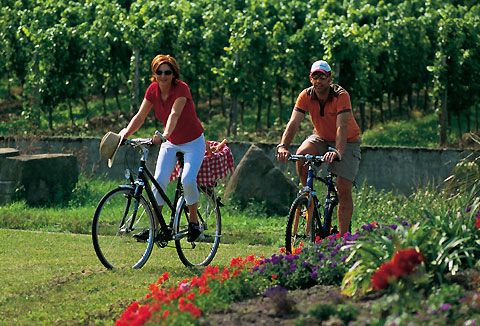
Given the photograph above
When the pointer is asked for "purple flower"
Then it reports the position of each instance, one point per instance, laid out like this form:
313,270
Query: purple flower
445,306
277,291
468,209
405,223
320,256
368,227
393,226
314,275
293,267
304,264
184,286
334,264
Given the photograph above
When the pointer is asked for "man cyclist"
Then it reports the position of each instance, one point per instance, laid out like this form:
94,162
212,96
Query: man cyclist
334,126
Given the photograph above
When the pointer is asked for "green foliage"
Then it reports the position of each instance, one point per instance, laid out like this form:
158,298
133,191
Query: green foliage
465,175
419,132
257,54
448,240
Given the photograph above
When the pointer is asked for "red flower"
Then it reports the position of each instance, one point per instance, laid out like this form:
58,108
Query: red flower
379,280
203,290
477,223
282,250
406,260
165,314
190,296
403,263
274,276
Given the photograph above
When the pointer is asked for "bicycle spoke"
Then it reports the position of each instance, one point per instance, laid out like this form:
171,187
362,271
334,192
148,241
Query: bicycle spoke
201,251
115,246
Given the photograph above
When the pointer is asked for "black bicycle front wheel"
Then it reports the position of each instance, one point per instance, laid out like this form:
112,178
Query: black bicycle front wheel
113,230
300,225
201,251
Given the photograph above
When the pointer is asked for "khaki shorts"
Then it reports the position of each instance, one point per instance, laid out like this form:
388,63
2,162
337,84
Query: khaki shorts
348,166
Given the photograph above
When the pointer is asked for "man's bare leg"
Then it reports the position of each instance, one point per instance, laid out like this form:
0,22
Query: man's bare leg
345,204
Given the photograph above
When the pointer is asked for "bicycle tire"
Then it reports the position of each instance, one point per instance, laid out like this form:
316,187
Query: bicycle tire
299,227
113,241
202,251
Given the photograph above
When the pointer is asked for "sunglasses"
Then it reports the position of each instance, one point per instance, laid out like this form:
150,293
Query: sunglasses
166,72
321,76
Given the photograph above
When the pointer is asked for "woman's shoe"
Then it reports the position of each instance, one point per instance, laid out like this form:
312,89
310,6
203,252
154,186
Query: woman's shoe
142,236
193,231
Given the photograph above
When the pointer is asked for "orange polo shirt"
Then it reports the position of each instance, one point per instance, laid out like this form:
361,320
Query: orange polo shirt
324,118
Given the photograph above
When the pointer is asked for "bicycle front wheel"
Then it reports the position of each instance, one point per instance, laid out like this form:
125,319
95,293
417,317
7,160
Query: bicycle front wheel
300,225
117,218
201,251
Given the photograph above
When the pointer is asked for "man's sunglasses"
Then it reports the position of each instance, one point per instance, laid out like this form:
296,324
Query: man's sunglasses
321,76
166,72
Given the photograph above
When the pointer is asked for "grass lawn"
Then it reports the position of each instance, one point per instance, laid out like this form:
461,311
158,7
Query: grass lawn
56,278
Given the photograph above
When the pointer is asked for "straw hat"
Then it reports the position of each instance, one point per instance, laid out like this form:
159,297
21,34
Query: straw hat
109,146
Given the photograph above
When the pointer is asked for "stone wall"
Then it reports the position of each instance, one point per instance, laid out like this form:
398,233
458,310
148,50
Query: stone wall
388,168
38,178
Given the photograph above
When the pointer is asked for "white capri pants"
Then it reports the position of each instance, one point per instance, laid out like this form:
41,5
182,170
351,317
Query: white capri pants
193,156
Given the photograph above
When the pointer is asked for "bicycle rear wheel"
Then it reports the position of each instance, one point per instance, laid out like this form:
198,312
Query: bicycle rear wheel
300,225
202,251
112,229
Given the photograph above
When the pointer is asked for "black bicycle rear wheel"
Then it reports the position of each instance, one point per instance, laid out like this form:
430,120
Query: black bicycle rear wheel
111,232
201,251
300,225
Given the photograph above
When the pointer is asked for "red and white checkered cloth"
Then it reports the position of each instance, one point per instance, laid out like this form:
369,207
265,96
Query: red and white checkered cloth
215,166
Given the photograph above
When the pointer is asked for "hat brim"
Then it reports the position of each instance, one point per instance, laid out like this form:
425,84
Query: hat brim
322,71
110,160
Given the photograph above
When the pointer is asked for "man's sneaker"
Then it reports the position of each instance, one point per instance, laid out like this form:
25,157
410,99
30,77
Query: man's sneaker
193,231
142,236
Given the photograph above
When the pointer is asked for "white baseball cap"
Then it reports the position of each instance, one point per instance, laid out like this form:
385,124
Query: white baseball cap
321,66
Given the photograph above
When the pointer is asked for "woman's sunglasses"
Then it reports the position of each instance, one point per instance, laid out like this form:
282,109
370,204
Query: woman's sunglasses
166,72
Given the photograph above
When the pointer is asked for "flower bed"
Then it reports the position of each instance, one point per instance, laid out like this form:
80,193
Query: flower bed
409,265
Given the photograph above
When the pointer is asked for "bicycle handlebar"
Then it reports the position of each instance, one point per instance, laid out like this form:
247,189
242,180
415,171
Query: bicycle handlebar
313,158
138,142
143,141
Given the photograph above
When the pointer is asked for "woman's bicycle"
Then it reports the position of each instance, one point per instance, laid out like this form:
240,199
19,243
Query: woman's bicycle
310,219
129,209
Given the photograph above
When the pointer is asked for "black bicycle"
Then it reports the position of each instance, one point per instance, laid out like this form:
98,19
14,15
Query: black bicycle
125,212
304,222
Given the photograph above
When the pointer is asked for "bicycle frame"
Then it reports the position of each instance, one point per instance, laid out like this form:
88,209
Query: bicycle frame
330,201
328,181
144,174
331,197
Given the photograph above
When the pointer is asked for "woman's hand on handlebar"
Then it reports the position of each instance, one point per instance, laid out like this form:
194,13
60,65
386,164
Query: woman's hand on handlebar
158,138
